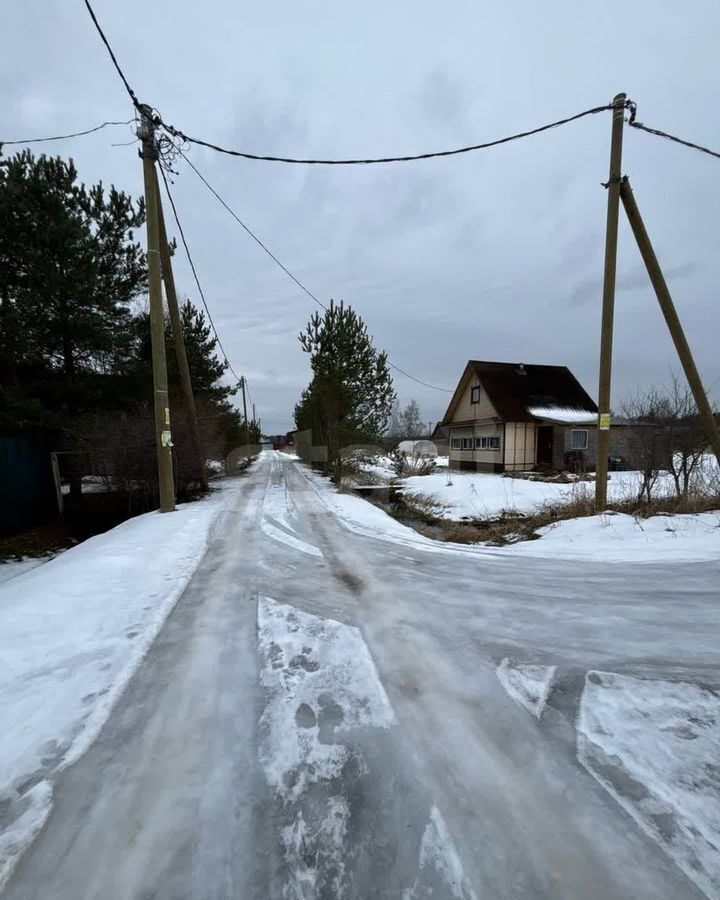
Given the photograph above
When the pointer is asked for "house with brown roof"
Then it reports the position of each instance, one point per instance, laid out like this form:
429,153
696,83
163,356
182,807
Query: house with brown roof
516,417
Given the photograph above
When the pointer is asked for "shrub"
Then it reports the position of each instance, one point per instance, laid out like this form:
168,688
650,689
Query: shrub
404,465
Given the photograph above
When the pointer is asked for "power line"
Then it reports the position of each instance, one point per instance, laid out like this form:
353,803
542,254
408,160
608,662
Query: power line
131,92
383,159
195,274
252,235
63,137
287,271
418,380
672,137
176,132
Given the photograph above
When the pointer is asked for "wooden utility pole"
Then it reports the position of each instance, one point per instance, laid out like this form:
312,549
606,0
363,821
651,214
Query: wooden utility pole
671,317
247,433
163,435
608,308
179,342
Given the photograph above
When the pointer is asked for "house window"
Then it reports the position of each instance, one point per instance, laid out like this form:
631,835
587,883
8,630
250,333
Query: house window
467,443
455,443
475,394
488,442
579,439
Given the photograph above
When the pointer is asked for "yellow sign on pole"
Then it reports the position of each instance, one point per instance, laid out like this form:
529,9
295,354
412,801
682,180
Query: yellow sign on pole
604,421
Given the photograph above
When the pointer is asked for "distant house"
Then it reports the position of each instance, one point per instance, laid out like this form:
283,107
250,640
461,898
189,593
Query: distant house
514,417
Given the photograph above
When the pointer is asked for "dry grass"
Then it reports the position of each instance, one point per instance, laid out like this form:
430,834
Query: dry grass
424,514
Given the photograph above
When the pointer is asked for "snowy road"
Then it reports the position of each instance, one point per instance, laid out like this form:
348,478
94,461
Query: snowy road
328,714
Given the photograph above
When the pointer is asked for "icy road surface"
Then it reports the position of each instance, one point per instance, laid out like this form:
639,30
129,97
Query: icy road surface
332,713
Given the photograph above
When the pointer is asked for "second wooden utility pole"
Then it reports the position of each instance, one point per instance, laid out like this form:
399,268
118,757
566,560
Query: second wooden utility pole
608,308
163,435
179,343
247,433
671,317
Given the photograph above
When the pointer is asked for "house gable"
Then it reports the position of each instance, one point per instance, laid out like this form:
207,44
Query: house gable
462,408
511,392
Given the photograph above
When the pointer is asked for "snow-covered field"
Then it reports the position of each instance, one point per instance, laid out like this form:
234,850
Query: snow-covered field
480,495
608,537
73,632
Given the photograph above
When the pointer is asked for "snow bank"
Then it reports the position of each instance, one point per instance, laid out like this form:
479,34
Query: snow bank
14,567
608,537
654,745
74,631
364,518
616,537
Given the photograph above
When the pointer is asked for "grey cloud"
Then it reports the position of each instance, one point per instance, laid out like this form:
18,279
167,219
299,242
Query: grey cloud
589,289
496,254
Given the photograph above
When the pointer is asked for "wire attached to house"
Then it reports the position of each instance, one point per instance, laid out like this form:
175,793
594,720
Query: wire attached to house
286,270
64,137
195,274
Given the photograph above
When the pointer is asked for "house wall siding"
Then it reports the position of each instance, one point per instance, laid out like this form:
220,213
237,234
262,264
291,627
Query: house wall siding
520,446
477,460
466,410
562,444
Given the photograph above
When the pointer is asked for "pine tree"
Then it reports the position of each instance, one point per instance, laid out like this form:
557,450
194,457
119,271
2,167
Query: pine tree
206,372
70,269
351,393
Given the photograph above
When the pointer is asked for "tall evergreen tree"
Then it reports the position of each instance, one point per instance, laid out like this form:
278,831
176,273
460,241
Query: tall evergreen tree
70,269
206,372
351,393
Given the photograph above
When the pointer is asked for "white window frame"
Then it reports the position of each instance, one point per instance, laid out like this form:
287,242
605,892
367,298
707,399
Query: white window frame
467,443
575,431
488,442
475,394
455,444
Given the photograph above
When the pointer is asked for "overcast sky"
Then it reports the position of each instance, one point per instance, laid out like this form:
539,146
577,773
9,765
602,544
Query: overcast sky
493,255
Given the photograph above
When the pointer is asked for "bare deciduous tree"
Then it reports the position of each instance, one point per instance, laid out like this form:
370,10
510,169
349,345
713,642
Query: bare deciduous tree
646,438
665,432
688,440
